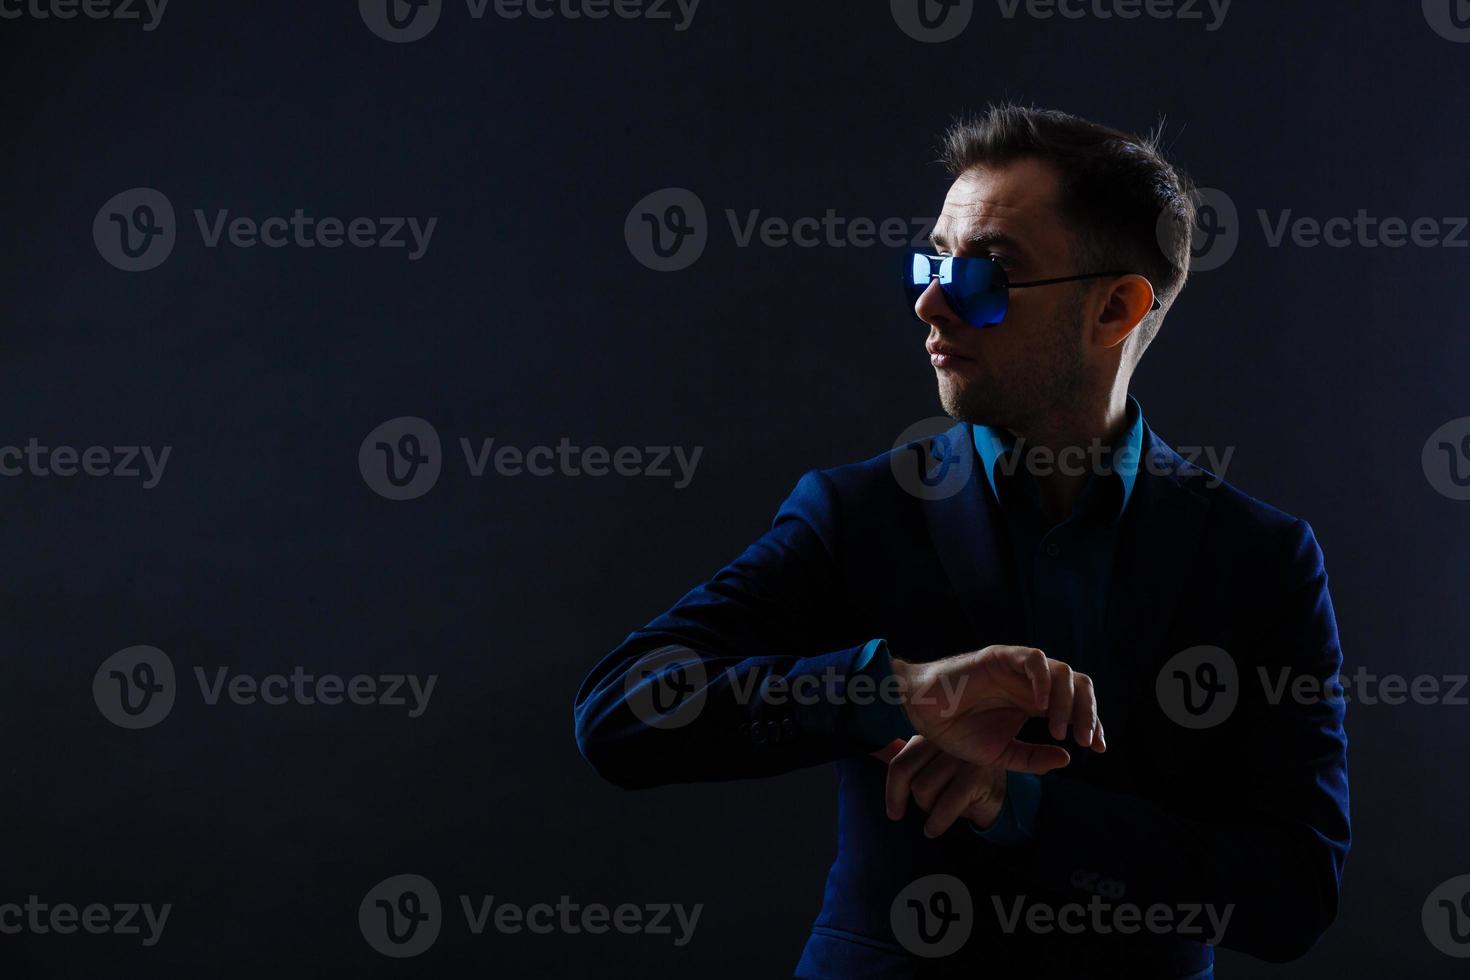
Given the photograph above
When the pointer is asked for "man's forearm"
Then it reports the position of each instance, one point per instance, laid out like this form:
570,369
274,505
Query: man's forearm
648,718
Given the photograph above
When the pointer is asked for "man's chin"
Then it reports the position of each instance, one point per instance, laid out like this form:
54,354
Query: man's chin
963,402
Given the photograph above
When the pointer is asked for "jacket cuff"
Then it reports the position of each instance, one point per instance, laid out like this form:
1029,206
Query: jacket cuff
1017,821
877,720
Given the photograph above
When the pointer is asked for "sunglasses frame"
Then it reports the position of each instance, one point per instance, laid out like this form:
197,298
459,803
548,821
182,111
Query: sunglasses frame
1000,283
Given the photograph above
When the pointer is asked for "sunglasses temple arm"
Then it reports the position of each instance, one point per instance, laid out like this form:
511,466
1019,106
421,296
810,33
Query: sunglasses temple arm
1086,275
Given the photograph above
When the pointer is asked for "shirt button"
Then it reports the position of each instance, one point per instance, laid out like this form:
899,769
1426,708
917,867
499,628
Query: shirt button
1053,549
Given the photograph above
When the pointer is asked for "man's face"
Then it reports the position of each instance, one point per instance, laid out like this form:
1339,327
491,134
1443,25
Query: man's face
1033,362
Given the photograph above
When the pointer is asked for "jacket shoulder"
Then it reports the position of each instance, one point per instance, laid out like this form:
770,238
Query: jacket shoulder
1234,513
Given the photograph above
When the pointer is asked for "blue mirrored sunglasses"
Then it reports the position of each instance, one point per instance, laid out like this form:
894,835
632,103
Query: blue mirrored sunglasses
976,288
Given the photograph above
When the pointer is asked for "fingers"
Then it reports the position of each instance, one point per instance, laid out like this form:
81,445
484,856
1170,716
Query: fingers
1025,757
959,792
1073,705
1037,669
1010,667
1084,709
1062,691
1099,739
902,769
932,780
946,787
886,753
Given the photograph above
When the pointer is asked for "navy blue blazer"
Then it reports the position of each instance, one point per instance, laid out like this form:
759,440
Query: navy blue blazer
1249,815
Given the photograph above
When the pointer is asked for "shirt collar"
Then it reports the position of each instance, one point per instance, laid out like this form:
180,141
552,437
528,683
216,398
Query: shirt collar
992,443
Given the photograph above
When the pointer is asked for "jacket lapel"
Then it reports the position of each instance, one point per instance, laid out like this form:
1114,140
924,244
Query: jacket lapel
964,526
1157,543
1160,535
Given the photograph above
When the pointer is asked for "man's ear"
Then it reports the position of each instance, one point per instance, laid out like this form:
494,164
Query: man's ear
1127,302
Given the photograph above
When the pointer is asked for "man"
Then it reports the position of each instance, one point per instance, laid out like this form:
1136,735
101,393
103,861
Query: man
995,584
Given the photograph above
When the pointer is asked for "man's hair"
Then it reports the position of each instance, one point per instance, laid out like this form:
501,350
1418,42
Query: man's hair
1128,207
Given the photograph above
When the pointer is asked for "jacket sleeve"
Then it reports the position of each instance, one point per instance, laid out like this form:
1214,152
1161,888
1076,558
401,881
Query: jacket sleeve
747,675
1270,845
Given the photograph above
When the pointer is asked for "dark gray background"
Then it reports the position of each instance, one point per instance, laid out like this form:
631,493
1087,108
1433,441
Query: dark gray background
529,320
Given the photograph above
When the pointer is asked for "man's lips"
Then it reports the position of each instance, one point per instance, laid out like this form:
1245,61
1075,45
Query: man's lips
944,356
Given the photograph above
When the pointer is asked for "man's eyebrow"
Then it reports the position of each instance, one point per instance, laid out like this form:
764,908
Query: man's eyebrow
985,238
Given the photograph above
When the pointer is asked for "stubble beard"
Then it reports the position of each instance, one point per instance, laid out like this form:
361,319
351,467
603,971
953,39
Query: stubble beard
1016,399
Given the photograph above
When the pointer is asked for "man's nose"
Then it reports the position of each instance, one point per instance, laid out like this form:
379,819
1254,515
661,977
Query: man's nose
933,307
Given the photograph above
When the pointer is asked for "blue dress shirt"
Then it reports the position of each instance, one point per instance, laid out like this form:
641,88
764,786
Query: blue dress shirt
1064,572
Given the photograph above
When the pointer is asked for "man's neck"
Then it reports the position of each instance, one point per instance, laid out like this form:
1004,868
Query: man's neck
1059,486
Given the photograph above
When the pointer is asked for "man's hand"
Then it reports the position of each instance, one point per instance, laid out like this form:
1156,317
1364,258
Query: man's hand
946,788
972,706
